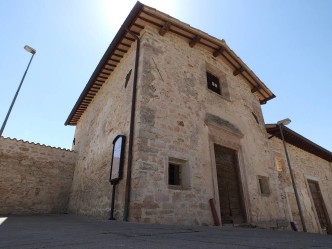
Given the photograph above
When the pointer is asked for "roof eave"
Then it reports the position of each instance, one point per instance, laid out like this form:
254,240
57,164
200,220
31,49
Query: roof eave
323,153
130,18
101,73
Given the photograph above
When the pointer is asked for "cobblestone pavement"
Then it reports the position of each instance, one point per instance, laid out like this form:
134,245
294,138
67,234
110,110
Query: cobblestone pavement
69,231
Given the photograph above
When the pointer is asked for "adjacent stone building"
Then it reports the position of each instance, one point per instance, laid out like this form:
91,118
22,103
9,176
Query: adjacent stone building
313,173
196,139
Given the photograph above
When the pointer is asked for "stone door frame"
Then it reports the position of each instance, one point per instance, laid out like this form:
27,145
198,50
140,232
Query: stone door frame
316,180
230,139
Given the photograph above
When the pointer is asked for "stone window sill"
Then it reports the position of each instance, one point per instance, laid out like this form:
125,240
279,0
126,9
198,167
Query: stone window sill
176,187
220,95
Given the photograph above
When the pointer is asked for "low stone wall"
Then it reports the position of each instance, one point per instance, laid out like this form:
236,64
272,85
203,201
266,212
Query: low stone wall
34,178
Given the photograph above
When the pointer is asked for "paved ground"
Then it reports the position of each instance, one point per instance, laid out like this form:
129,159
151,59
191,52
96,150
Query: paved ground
68,231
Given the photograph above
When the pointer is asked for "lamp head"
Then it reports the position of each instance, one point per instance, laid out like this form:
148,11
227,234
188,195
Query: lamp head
30,49
284,122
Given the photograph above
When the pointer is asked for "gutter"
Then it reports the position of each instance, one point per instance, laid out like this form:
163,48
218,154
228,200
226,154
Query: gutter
131,129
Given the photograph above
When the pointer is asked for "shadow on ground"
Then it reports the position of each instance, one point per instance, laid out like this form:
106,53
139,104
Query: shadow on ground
69,231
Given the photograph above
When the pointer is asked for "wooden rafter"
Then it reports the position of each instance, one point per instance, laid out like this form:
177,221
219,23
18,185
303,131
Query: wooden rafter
164,28
219,51
124,44
129,38
255,89
117,55
110,64
114,60
121,50
194,41
238,71
138,26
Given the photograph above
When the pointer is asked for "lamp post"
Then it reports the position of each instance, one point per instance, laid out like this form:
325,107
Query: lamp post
33,52
281,124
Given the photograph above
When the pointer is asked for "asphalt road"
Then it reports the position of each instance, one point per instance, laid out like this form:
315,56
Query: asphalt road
69,231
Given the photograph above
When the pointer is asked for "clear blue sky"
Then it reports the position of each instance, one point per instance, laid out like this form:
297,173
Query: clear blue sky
288,44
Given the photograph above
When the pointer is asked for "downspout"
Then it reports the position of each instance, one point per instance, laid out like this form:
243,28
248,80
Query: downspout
131,130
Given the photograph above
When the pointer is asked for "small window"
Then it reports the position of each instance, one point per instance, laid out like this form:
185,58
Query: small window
178,174
174,174
264,187
213,83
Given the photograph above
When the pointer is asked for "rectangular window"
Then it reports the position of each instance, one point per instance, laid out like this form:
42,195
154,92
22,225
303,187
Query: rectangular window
264,187
213,83
174,174
178,174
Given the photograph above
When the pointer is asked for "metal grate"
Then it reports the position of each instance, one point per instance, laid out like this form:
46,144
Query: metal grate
213,83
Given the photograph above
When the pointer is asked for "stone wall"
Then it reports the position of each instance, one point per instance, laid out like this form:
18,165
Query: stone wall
34,178
174,105
107,116
177,118
306,166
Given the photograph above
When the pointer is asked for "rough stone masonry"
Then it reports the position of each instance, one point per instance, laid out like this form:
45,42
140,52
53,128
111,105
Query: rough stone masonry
34,178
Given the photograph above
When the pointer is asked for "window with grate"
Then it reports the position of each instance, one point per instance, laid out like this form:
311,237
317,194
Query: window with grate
213,83
264,187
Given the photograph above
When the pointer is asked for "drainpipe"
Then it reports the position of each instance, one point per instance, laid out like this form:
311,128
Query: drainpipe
131,130
292,178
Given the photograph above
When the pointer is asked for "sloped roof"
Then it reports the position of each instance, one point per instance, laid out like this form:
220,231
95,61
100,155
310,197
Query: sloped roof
299,141
142,15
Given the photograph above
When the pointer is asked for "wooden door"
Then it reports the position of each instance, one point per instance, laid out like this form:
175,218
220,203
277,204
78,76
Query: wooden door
229,186
319,206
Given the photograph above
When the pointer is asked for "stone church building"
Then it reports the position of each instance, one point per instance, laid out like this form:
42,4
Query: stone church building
196,150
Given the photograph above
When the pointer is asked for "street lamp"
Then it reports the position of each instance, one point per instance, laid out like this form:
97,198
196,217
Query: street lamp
32,51
281,124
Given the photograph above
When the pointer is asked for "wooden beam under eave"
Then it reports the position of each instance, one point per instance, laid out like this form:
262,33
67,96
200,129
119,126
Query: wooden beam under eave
163,30
134,32
114,60
138,26
194,41
117,55
129,38
111,65
106,71
121,50
102,77
238,71
219,51
267,99
109,69
255,89
124,44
